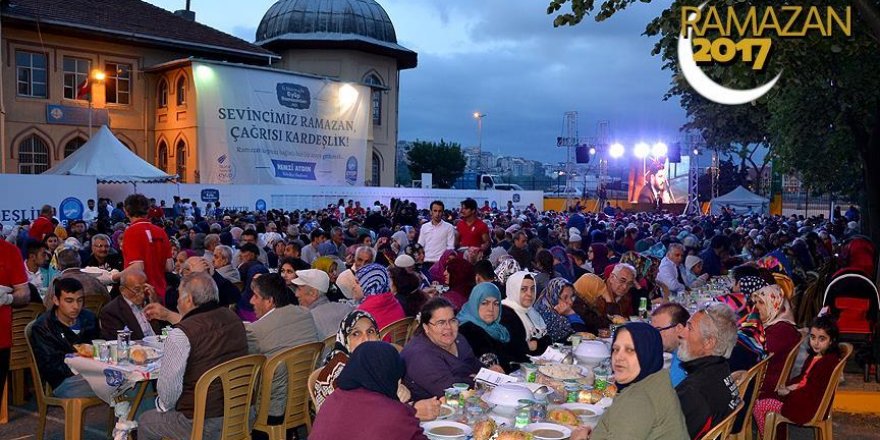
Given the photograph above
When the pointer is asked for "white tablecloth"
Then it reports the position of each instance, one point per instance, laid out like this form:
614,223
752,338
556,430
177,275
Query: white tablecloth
109,381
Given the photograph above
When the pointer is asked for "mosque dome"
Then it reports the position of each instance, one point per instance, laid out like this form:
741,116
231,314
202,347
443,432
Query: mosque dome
325,24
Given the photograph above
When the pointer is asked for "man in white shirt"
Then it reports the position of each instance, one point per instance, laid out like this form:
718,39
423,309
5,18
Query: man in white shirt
90,214
670,272
437,235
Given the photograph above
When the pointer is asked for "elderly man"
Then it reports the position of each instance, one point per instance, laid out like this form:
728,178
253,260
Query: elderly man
280,325
608,297
205,336
311,292
211,242
54,334
229,293
127,309
222,262
671,269
708,394
69,265
102,255
670,320
346,280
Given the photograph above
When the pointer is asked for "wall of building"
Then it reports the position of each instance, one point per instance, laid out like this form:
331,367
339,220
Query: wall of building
356,66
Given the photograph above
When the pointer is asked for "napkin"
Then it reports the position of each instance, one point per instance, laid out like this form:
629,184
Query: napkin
550,355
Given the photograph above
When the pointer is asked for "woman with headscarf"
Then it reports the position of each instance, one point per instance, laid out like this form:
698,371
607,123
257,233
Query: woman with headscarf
741,293
561,263
357,327
400,240
330,266
437,271
461,279
368,388
555,307
528,331
480,324
780,334
646,405
507,266
378,300
598,256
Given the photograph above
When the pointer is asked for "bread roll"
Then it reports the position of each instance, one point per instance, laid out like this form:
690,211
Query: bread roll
138,355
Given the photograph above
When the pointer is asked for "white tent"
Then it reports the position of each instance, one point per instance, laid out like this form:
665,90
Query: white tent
104,157
742,201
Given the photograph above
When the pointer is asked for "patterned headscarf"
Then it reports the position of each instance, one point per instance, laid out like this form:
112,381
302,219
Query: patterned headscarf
558,326
373,279
345,328
470,312
413,249
750,284
506,267
436,271
770,301
325,264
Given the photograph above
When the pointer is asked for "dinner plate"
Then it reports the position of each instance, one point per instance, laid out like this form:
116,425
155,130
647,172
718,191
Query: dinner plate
92,270
542,431
446,430
580,410
605,402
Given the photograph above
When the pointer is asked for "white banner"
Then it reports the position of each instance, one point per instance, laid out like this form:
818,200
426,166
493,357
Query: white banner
264,197
25,194
260,126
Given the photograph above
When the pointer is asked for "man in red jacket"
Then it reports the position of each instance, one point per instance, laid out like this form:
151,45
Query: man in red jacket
42,225
13,289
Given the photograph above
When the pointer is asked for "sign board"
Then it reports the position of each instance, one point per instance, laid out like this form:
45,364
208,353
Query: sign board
263,197
262,126
25,194
68,115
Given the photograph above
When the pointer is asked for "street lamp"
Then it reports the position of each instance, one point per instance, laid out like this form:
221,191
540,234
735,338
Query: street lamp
659,150
479,117
97,76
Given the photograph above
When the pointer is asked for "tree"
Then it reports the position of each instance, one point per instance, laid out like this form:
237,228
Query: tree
444,160
823,116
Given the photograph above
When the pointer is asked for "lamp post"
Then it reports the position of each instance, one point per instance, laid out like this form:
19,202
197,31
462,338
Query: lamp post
98,76
479,117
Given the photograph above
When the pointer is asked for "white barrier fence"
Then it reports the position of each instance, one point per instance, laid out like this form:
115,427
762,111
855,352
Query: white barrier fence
22,196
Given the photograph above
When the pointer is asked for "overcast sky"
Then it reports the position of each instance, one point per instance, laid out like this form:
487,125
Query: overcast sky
504,58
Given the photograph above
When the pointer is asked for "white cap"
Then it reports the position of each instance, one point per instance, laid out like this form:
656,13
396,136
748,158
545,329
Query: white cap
404,261
313,278
691,261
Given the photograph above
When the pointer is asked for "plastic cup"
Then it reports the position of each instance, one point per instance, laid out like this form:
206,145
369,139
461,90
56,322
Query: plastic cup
96,347
531,372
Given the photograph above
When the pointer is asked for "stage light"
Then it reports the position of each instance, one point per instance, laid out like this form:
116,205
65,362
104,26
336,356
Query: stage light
642,150
592,150
615,150
659,150
696,152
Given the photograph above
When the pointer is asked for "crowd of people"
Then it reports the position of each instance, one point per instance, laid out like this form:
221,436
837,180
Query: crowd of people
488,288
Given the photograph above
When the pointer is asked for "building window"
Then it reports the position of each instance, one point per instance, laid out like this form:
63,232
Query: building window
163,94
33,156
76,74
376,170
31,74
118,83
162,155
181,161
376,88
181,91
73,145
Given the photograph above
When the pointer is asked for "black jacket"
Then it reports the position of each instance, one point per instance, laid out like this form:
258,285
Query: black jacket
481,342
518,347
708,394
52,340
117,314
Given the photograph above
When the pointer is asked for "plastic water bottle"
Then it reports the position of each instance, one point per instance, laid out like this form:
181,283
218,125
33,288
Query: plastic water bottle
123,344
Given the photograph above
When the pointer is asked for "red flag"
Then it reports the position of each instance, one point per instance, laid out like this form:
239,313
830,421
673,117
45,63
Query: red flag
84,89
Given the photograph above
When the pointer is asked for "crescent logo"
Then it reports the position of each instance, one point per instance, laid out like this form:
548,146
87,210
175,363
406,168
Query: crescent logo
708,88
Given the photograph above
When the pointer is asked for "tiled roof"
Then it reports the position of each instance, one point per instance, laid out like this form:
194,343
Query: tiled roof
132,20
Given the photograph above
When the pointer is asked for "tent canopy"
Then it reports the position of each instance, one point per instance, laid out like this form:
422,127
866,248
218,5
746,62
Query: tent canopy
110,161
742,201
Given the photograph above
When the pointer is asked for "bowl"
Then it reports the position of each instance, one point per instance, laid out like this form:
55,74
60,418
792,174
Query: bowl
446,430
504,398
591,353
548,431
667,360
587,414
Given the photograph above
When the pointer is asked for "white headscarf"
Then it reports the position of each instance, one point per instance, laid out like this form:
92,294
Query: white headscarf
535,326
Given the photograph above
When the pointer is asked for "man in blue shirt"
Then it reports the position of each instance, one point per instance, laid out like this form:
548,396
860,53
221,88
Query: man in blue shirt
670,320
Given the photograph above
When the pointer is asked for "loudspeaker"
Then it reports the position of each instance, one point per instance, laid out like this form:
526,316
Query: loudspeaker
674,153
582,154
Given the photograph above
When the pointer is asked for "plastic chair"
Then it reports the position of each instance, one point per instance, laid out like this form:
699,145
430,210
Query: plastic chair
821,421
19,358
411,331
238,377
753,379
94,303
722,430
789,362
785,283
310,385
298,362
73,407
396,331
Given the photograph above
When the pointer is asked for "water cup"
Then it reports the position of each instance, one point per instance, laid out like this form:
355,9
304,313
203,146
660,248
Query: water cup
452,395
575,340
96,347
114,353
